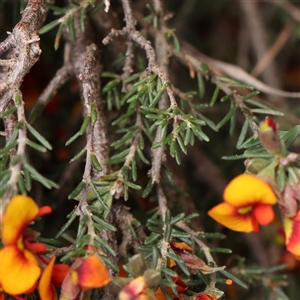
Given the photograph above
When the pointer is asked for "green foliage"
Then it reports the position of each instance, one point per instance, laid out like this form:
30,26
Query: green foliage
149,122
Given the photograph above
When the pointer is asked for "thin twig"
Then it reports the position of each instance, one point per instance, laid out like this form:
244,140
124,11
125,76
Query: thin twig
266,59
290,8
130,32
23,44
202,245
118,187
127,68
162,57
188,53
59,79
124,220
22,138
258,35
195,61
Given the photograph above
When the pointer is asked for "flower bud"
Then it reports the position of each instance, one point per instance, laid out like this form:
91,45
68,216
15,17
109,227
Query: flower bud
255,165
137,265
290,199
152,277
269,136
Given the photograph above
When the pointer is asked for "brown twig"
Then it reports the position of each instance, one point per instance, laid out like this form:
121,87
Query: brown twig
206,250
127,68
22,141
188,54
59,79
130,32
258,35
118,187
266,59
124,219
163,53
84,59
22,45
290,8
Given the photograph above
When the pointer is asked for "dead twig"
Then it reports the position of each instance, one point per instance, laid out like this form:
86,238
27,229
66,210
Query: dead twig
266,59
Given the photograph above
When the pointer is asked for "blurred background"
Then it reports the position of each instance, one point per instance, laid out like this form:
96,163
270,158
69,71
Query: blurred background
262,37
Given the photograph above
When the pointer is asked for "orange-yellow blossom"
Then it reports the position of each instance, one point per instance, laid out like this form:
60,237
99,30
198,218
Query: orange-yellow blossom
181,288
84,274
19,269
52,276
46,289
248,203
292,234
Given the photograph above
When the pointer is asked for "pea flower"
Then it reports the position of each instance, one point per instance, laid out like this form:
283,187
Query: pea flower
248,203
268,133
83,275
292,234
181,288
53,276
19,269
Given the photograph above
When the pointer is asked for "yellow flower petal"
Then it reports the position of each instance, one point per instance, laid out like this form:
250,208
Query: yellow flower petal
228,216
20,212
92,273
19,270
292,232
46,289
246,190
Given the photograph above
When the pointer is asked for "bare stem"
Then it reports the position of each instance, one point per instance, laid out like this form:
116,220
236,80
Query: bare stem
23,45
16,168
60,78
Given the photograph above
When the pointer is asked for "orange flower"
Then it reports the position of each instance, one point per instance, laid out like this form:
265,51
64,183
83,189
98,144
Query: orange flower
46,290
203,296
181,288
18,262
84,275
248,203
181,246
52,276
292,233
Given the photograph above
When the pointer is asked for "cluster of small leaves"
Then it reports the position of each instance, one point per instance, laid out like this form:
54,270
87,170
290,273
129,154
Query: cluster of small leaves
9,157
248,105
272,279
169,34
66,18
89,230
252,146
145,95
158,252
161,233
